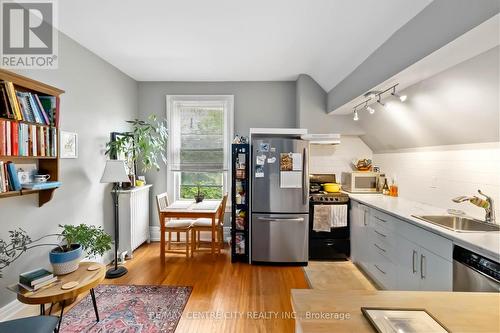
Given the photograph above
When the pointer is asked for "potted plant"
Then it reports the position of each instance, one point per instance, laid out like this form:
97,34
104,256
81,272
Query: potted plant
146,143
65,257
199,196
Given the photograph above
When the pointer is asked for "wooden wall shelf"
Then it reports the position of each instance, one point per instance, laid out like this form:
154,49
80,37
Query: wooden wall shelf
46,165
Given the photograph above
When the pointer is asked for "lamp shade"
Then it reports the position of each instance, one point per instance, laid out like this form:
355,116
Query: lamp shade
114,172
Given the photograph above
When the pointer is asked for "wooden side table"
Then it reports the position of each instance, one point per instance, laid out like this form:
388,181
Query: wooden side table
54,293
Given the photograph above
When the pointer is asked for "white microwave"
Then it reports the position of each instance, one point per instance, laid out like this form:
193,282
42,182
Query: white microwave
360,181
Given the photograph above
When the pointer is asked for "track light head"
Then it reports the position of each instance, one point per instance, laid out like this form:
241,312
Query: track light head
370,109
355,117
402,98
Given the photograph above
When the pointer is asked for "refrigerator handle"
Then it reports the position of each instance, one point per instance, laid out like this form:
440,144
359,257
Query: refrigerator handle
305,177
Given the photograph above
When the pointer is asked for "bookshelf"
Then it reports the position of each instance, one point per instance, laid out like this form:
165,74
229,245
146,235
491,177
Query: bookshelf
45,164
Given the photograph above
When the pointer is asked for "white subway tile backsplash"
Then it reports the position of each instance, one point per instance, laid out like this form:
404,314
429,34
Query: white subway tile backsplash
437,174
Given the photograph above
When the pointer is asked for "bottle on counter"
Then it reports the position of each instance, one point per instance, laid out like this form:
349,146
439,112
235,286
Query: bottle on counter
393,190
385,188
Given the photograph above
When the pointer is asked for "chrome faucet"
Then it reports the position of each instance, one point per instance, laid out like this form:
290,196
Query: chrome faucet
490,210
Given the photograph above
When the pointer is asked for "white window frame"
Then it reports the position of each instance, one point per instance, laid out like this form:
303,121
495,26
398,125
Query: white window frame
173,178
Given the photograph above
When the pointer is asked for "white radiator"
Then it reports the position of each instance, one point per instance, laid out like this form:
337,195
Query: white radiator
134,218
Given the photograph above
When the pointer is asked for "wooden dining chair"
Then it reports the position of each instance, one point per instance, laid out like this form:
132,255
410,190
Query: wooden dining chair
205,225
173,225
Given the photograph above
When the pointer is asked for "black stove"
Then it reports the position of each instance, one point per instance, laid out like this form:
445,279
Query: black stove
329,197
335,244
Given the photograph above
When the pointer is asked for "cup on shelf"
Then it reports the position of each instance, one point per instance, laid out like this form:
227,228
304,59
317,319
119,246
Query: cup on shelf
41,178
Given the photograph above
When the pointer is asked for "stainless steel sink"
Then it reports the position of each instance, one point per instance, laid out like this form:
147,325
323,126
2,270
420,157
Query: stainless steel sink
459,223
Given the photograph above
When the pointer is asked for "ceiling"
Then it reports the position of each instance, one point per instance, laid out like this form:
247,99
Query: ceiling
228,40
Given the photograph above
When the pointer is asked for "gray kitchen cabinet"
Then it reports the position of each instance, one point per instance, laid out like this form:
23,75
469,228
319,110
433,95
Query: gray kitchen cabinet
408,270
420,269
359,215
436,273
398,255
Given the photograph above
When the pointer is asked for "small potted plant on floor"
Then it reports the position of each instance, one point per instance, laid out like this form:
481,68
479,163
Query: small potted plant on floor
66,256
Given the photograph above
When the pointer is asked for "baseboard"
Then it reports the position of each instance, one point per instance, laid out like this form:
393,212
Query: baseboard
16,309
154,232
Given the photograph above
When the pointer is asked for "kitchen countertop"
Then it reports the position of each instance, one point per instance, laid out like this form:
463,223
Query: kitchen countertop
458,311
484,243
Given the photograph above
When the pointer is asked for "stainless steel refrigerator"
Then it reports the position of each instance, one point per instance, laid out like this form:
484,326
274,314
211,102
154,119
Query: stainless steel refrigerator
280,200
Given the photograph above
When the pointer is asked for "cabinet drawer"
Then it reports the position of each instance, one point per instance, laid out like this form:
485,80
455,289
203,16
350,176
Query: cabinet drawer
383,271
384,220
441,246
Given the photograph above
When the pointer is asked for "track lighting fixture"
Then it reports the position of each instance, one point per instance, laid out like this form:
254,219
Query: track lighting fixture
402,98
356,117
371,94
376,96
380,102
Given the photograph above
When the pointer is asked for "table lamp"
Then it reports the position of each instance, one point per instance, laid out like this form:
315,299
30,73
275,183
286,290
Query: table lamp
115,173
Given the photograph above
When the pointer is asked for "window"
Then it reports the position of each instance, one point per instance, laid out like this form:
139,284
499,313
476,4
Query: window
200,132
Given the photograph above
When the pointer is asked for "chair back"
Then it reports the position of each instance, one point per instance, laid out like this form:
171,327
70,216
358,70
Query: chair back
162,202
222,210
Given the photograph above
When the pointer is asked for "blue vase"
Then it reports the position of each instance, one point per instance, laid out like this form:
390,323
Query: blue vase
65,262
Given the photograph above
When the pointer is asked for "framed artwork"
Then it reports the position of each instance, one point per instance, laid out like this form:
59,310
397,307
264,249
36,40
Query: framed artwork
394,320
129,164
68,145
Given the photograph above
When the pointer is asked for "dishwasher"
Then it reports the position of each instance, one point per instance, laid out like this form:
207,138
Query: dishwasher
473,272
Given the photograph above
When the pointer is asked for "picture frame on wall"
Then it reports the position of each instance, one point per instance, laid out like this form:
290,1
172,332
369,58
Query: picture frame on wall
68,145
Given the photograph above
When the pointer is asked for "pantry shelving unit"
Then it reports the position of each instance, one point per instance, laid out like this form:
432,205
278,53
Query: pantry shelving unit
239,203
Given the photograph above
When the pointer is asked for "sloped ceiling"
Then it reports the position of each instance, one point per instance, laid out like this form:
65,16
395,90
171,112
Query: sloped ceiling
457,106
228,40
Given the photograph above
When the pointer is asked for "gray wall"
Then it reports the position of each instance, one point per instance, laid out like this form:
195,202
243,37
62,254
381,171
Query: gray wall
256,104
311,110
98,98
457,106
438,24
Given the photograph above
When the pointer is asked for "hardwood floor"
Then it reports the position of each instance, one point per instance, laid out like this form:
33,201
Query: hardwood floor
241,292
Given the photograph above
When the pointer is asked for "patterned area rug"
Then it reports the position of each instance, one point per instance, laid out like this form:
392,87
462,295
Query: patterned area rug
127,308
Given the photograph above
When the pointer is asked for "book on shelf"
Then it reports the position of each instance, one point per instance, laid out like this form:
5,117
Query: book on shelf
13,179
4,182
27,106
42,185
22,139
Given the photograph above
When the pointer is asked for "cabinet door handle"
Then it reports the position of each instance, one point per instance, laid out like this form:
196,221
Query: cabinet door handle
378,218
379,269
364,218
422,266
378,247
414,261
381,234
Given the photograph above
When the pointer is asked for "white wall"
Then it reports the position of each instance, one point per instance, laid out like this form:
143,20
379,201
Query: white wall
327,159
435,175
98,99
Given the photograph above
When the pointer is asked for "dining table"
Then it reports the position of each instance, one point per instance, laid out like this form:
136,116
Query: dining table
186,209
